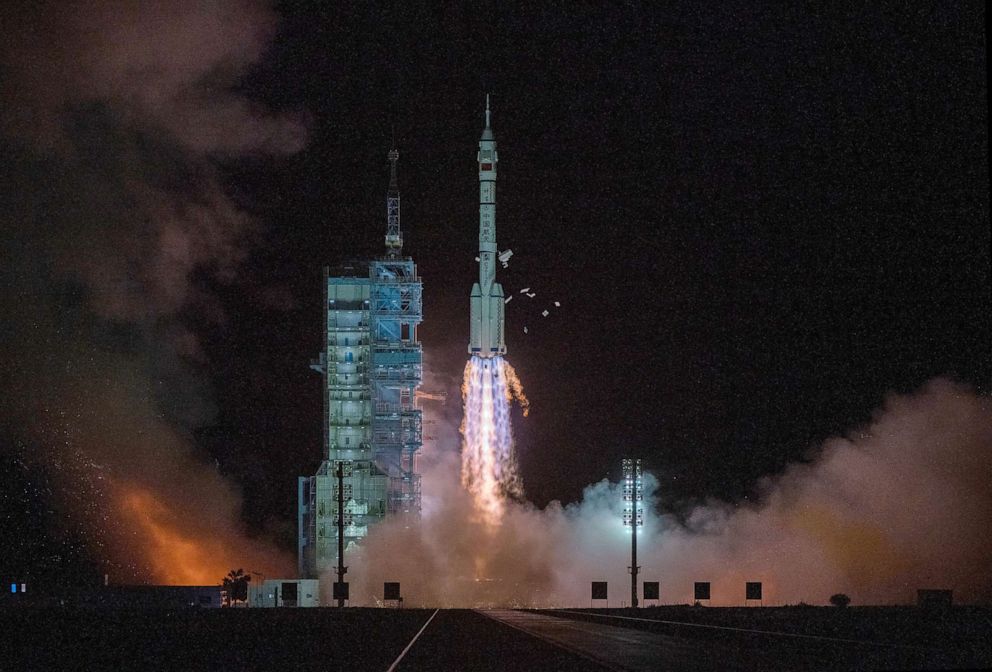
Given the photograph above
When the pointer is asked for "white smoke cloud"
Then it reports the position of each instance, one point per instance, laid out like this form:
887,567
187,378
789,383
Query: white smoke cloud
900,504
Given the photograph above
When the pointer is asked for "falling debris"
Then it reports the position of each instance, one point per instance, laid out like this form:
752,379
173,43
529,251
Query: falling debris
508,299
525,330
544,312
477,259
504,257
525,290
531,294
557,305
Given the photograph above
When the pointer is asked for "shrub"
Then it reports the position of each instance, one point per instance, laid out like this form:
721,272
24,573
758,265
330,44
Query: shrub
840,600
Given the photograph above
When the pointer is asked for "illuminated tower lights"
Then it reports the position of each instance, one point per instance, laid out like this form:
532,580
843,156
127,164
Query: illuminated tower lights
633,515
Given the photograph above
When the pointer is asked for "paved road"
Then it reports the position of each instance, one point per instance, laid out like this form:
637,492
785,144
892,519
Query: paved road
620,648
623,647
406,640
465,640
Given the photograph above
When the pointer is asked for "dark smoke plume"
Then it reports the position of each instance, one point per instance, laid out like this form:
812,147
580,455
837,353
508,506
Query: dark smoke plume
113,119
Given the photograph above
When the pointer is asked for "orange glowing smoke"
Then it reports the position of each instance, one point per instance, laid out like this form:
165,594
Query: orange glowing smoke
177,555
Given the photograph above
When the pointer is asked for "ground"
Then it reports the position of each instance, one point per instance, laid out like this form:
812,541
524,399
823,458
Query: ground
581,640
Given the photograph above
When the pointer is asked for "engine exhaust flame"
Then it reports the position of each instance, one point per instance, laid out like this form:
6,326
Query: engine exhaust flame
489,465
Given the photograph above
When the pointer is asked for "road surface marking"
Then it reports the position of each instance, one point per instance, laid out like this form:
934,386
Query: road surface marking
403,652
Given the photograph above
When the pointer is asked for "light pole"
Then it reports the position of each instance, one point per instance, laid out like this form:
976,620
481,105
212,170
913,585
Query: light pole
633,516
341,569
261,585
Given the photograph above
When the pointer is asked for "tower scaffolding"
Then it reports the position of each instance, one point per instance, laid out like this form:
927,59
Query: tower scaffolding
372,366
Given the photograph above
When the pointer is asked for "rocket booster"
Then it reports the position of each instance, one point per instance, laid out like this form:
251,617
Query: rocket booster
486,339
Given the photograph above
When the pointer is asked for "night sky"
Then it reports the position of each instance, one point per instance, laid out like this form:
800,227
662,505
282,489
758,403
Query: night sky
758,222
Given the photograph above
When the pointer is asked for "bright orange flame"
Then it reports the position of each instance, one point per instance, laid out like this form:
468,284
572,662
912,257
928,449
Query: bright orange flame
175,555
515,389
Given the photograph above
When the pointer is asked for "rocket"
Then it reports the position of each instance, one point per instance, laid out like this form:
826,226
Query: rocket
486,329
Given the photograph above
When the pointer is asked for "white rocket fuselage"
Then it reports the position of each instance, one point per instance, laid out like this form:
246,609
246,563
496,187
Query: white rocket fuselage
486,332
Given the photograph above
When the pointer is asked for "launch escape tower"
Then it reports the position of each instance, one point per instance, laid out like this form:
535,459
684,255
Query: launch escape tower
371,365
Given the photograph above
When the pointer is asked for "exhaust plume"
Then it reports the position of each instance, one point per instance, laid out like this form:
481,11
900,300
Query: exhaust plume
489,465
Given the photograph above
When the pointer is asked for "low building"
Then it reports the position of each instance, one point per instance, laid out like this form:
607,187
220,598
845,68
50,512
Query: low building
285,593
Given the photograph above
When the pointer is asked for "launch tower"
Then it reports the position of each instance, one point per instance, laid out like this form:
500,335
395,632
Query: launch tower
371,365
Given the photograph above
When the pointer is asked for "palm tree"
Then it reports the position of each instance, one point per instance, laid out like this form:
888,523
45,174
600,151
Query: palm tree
236,585
840,600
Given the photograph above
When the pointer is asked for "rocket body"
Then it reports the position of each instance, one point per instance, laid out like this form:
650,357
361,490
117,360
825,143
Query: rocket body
486,330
